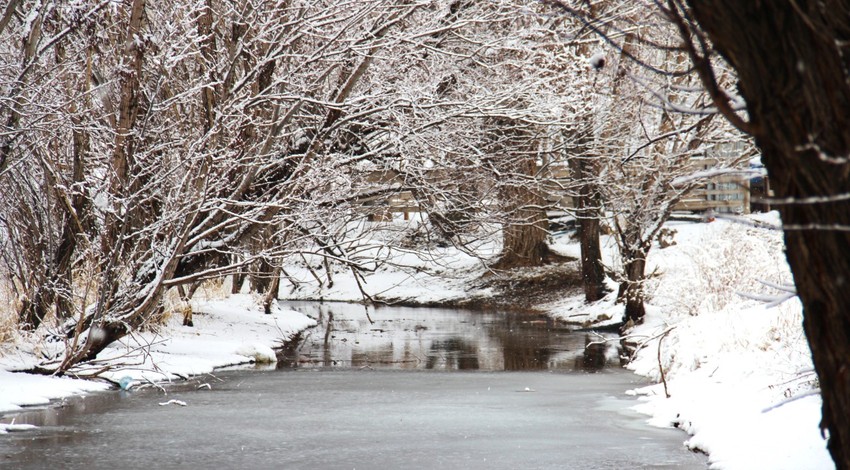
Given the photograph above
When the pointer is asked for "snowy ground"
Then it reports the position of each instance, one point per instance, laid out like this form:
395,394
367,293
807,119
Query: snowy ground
738,370
226,333
412,271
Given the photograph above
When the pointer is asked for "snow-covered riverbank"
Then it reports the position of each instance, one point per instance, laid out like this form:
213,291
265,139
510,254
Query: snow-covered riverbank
738,371
227,332
730,362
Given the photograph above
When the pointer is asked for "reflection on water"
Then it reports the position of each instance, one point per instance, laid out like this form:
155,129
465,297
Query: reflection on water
447,339
364,418
452,353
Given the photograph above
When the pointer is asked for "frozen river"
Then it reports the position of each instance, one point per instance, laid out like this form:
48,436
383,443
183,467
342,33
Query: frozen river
412,388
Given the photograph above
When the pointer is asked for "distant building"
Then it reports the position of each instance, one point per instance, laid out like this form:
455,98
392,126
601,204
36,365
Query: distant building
722,194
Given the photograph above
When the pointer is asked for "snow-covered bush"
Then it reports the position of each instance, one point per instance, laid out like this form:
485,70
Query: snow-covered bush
698,296
730,363
715,265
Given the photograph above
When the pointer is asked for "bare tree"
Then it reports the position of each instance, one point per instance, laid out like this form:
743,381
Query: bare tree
231,139
650,123
195,155
495,117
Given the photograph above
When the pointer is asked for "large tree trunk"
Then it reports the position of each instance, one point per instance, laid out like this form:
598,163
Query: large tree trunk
525,232
794,78
592,270
238,278
524,238
588,201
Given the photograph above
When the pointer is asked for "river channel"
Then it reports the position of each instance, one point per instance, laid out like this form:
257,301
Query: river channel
385,388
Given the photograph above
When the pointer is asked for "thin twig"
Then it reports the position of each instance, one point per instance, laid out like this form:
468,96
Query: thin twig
792,399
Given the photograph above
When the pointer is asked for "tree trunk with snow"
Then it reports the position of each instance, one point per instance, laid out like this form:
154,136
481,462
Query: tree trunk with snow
588,201
793,65
524,238
631,288
592,270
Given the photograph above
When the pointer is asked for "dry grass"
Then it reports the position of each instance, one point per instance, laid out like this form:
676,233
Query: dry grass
173,304
9,305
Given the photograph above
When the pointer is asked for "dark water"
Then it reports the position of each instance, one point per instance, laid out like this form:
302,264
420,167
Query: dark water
442,339
411,390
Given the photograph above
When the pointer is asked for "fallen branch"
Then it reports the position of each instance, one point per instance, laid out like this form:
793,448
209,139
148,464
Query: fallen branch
660,366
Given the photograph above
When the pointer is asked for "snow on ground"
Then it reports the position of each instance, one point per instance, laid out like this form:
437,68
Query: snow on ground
227,332
728,360
408,271
737,370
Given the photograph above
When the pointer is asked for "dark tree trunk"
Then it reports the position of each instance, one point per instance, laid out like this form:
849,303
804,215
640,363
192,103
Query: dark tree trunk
794,78
107,334
524,239
32,312
587,203
592,271
270,296
631,289
261,279
238,279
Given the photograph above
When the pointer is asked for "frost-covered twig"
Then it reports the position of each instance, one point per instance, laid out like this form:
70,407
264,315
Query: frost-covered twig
785,227
648,340
792,399
789,292
711,173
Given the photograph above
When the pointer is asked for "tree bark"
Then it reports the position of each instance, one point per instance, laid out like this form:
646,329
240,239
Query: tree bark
587,204
524,234
588,201
238,278
29,48
123,152
208,95
110,321
793,75
270,296
631,289
261,278
592,271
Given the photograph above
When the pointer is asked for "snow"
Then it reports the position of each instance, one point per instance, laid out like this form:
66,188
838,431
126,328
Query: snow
227,332
18,390
728,360
437,275
738,371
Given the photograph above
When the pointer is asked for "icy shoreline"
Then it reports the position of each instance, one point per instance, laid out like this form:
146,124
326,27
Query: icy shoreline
738,371
227,332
